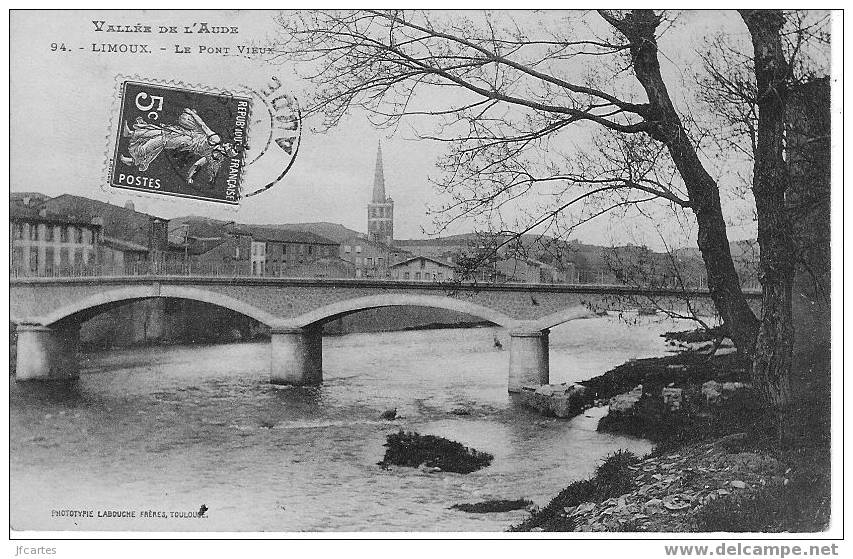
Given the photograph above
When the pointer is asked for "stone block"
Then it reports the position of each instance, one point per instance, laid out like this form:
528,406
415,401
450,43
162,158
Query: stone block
560,400
624,403
673,398
712,391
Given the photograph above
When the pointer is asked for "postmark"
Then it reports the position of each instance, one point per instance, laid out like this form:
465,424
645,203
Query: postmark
276,135
181,142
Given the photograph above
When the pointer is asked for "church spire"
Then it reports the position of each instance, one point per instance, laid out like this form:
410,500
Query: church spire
379,179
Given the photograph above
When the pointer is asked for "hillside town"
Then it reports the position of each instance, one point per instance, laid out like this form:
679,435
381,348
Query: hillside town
74,235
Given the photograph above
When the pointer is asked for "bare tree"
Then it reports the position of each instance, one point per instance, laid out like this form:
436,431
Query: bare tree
514,95
751,92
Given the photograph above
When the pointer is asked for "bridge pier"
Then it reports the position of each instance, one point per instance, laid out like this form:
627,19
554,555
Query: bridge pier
528,359
296,356
47,354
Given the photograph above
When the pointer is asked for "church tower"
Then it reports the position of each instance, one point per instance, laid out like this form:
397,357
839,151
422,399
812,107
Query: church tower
380,210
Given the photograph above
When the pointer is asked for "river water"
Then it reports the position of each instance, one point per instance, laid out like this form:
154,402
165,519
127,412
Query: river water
167,429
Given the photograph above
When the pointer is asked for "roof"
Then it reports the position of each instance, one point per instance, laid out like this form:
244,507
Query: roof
439,262
33,196
198,227
124,246
282,235
79,205
20,212
119,223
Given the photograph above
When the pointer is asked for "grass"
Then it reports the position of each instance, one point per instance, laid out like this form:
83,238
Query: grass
802,505
612,478
414,450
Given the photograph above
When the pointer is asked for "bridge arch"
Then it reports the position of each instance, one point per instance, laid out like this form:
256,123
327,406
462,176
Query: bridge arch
149,292
349,306
561,316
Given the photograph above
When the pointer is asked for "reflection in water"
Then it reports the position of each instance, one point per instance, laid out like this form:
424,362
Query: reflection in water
171,428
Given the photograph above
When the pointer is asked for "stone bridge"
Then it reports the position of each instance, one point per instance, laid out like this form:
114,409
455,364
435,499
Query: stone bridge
48,313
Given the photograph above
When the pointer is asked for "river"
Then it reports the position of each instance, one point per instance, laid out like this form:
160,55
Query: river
167,429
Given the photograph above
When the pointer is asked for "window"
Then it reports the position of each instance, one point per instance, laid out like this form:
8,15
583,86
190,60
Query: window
423,264
19,230
358,260
64,234
405,275
347,249
417,276
48,256
78,256
34,259
79,237
369,261
358,249
310,249
34,232
48,233
380,261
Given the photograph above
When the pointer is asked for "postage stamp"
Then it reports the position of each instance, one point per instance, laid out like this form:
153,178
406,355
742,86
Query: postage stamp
181,142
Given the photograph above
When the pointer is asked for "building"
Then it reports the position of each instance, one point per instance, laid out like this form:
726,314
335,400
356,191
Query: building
145,238
42,243
371,259
123,257
422,268
273,251
380,210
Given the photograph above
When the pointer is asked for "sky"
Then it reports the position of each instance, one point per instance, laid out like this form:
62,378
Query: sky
64,107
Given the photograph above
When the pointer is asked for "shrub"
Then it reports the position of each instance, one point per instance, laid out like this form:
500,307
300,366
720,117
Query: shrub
495,505
612,478
413,450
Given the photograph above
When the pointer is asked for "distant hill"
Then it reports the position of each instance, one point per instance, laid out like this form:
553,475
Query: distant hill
204,227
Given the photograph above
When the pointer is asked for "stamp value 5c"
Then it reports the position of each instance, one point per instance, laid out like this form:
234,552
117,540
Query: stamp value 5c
180,142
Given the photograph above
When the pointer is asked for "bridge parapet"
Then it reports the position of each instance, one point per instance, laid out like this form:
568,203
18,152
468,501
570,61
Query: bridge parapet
50,310
287,302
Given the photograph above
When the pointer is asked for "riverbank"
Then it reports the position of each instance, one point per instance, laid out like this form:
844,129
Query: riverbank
717,464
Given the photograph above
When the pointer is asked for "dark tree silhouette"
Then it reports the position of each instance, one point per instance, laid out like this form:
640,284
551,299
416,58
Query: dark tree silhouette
513,95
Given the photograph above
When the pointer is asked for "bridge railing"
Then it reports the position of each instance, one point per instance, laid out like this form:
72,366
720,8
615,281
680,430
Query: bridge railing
205,269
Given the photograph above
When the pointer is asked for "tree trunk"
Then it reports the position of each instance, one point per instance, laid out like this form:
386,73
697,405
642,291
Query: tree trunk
723,282
771,180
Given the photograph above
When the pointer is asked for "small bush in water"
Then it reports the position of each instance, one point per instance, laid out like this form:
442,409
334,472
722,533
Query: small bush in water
413,450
